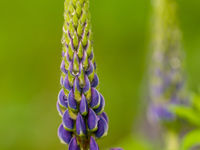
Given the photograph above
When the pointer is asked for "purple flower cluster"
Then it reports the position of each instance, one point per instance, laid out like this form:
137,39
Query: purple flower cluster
79,102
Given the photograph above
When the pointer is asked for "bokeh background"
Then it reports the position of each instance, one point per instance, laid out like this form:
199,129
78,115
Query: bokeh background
30,56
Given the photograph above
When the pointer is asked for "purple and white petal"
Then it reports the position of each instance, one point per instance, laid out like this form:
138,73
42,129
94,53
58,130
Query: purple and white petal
92,120
76,84
87,84
95,98
80,125
102,128
90,69
83,105
95,81
91,55
93,144
61,81
73,144
71,101
68,123
100,109
104,115
62,99
64,135
62,67
67,84
59,109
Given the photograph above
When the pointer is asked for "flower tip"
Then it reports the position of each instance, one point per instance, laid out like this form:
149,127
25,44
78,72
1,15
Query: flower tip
80,126
93,144
73,144
83,106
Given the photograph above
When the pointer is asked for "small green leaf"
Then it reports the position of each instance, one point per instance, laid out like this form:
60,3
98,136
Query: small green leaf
191,139
186,113
196,101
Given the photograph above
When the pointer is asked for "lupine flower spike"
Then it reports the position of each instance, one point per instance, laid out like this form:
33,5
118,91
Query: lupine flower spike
167,81
79,104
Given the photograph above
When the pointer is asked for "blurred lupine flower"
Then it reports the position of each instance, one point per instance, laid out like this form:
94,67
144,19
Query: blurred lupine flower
167,79
116,149
79,102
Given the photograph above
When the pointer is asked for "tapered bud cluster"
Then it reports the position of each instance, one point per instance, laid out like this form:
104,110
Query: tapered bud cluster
79,104
166,72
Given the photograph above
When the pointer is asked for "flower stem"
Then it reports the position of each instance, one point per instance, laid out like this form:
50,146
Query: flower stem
172,140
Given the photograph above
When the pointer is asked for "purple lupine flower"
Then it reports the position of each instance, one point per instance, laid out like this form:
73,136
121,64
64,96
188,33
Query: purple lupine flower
116,149
79,104
167,79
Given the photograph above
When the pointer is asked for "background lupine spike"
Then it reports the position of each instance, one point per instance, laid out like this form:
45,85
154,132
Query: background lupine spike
79,102
167,80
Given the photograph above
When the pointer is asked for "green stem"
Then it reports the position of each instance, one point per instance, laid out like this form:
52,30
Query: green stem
172,141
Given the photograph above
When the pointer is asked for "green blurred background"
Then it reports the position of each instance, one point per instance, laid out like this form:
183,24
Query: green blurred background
30,56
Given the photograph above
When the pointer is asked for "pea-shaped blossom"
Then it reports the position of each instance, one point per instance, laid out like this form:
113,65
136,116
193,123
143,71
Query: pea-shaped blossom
167,79
79,103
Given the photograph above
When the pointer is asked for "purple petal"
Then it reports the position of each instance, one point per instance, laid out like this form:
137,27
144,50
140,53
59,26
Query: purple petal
116,149
63,54
73,144
104,115
71,67
59,109
61,81
90,69
95,65
62,99
64,135
93,144
160,112
87,84
71,101
91,55
62,67
95,81
80,125
67,56
76,84
67,121
101,106
92,120
102,128
83,105
95,98
66,83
